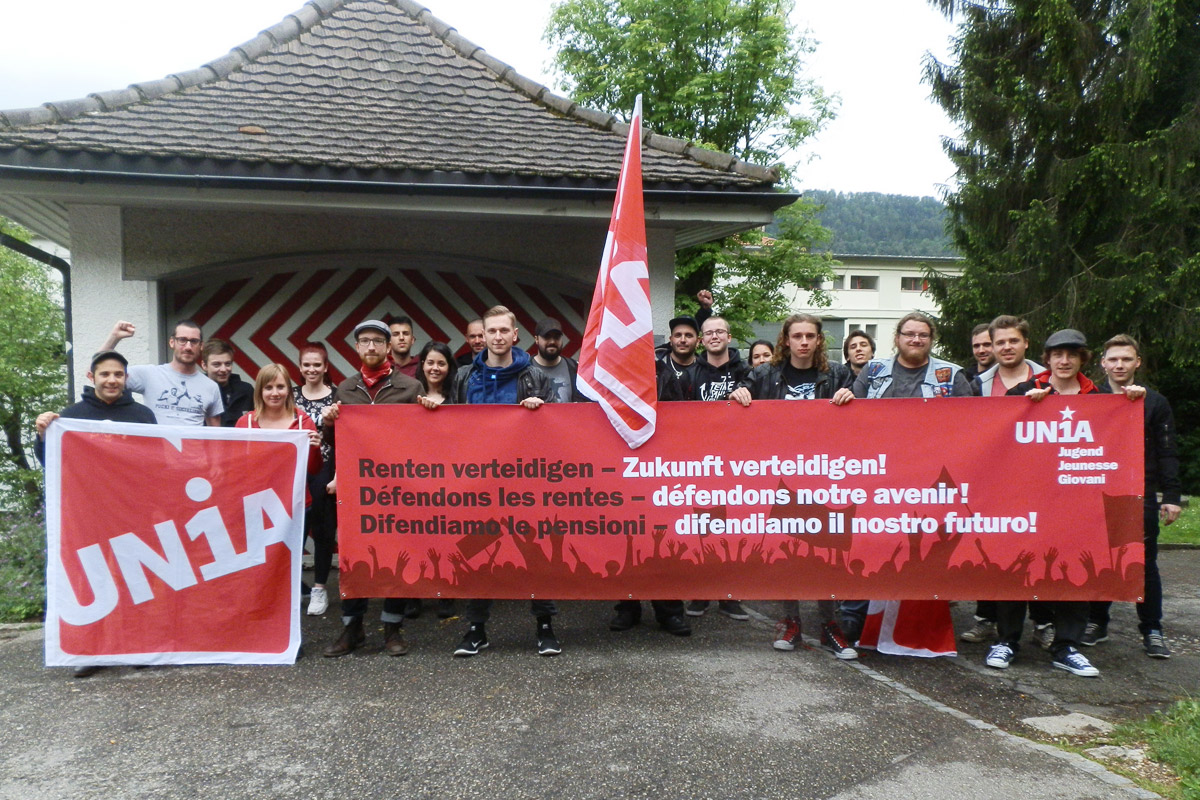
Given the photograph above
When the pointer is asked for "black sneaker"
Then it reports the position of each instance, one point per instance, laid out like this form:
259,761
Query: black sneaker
625,619
547,642
696,608
474,641
733,609
833,639
1155,645
1093,634
675,625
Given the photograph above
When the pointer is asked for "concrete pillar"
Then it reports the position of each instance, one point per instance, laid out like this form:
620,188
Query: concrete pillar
100,296
660,246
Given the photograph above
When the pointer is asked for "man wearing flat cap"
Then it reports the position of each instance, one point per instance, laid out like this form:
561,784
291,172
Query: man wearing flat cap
377,381
1066,354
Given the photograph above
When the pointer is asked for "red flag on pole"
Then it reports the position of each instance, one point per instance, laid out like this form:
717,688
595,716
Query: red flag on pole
616,363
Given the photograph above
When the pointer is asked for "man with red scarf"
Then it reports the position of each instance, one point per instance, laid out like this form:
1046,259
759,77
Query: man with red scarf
376,382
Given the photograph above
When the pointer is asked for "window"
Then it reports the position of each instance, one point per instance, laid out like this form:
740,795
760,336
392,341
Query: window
868,329
869,282
839,283
914,285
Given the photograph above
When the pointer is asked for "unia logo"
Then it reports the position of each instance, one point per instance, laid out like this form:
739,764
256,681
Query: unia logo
266,522
1068,430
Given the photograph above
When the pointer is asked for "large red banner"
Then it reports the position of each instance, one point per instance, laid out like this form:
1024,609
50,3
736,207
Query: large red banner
971,498
172,545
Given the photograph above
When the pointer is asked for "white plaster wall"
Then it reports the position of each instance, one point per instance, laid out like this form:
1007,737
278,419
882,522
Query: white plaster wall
100,296
660,246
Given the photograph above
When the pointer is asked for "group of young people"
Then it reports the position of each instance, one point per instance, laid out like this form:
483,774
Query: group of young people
198,386
797,367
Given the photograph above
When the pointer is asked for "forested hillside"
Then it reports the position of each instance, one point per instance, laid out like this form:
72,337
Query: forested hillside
870,223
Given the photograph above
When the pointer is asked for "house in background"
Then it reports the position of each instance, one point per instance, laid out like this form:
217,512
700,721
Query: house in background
358,159
871,293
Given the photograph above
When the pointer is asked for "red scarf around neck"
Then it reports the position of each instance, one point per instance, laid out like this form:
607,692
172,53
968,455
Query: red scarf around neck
371,377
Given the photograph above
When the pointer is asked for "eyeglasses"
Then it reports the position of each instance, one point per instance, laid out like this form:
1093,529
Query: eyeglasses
372,342
186,340
920,337
715,332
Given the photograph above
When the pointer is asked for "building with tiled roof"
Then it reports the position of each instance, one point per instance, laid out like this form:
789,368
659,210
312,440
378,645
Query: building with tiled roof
360,158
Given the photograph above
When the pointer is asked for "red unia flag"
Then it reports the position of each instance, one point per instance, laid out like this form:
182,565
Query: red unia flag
616,364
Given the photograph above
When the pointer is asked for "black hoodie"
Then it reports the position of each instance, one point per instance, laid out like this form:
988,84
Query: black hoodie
716,383
124,409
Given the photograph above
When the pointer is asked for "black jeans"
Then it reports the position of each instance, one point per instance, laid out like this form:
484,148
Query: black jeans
662,608
1038,611
1149,611
479,611
321,523
1069,619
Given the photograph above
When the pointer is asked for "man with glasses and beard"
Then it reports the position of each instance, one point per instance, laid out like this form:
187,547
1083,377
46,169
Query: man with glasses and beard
912,372
177,392
377,381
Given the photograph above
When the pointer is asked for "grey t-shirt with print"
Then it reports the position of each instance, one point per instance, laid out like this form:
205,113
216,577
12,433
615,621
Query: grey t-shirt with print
175,398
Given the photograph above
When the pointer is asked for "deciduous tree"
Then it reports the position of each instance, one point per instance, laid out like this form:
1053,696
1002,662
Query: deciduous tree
726,74
33,371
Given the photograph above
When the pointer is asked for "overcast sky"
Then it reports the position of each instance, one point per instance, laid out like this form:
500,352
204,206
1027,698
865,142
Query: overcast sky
887,137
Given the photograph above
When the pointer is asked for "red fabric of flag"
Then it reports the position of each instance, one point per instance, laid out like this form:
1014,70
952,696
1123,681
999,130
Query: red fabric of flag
616,362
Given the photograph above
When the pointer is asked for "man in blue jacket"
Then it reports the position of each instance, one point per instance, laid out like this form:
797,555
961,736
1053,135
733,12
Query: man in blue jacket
504,374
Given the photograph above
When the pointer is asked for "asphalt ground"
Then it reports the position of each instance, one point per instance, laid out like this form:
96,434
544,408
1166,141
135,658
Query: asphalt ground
639,714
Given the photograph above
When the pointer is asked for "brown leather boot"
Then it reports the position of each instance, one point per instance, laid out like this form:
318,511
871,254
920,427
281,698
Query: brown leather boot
352,637
393,639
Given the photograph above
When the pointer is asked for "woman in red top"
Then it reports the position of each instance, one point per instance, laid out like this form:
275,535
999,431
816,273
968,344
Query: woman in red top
275,409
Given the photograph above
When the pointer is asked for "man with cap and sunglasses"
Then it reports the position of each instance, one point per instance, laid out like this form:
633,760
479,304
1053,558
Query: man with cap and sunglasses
377,381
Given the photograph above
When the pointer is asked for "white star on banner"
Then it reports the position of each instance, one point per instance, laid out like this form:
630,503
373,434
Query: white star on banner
1068,413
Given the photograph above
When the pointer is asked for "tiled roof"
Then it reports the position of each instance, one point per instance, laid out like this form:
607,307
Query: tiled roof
365,85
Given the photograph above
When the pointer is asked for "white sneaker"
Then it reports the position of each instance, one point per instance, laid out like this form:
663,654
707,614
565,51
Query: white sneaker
318,602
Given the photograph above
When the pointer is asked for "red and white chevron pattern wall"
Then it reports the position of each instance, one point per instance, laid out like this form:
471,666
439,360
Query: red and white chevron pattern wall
268,316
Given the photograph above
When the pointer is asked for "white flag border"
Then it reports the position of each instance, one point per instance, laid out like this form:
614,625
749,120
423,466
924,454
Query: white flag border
55,656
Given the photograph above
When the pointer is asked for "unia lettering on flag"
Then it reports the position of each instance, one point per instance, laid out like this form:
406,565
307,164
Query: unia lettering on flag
616,363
